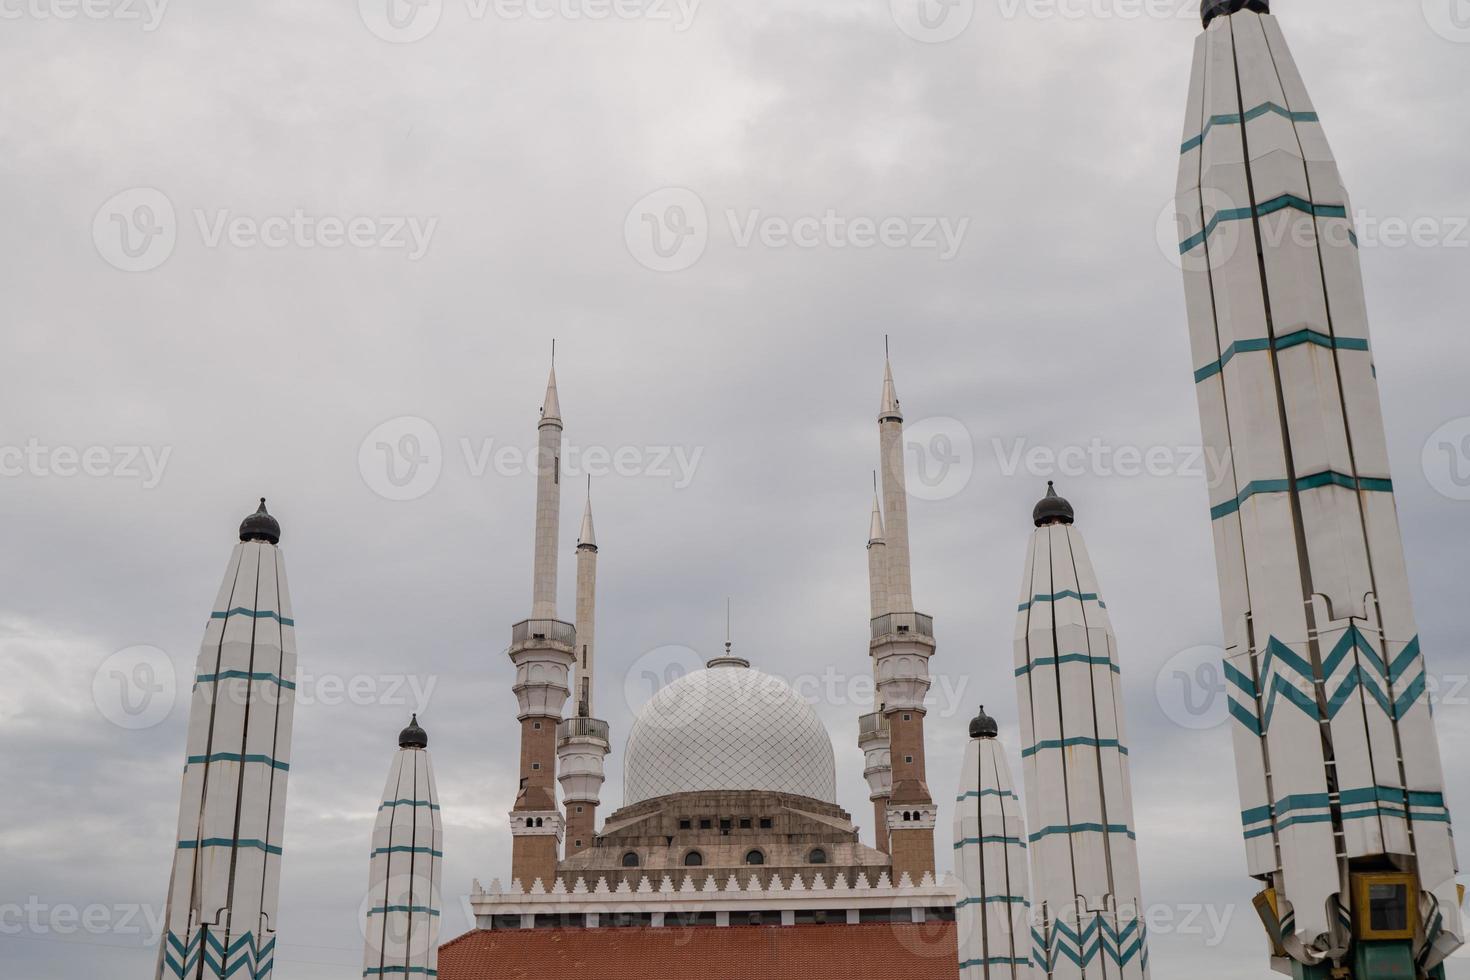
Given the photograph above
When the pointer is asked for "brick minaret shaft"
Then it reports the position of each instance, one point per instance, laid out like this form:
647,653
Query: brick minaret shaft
542,649
582,740
902,644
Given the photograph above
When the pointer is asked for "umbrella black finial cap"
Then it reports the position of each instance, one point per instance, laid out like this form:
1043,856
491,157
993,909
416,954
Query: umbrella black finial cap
984,726
261,526
1210,9
1051,509
413,737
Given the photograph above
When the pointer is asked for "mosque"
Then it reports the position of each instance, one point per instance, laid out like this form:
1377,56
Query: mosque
729,855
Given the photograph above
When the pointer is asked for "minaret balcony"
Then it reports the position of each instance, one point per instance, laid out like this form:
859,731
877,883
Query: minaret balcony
903,625
570,730
542,633
873,730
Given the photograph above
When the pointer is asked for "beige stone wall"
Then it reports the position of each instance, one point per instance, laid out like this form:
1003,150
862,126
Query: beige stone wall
652,830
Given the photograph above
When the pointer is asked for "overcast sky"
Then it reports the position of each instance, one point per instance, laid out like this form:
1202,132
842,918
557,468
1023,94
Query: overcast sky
246,247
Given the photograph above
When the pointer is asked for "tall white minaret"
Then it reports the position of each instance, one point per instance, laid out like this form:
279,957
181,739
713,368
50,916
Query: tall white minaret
582,741
899,578
877,560
1337,762
586,609
873,736
406,867
1079,799
994,908
222,895
548,503
543,649
901,645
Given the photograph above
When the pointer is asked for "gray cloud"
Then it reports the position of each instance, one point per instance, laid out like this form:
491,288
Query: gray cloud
262,370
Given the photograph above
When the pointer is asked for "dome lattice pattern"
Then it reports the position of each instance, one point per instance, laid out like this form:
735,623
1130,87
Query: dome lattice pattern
728,728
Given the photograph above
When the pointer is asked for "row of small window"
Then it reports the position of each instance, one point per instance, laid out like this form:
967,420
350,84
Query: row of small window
726,823
764,917
694,859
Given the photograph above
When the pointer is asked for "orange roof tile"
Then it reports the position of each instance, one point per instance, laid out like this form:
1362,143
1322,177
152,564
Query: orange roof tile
881,951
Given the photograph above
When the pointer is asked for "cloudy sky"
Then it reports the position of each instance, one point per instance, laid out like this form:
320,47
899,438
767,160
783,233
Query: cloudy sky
290,249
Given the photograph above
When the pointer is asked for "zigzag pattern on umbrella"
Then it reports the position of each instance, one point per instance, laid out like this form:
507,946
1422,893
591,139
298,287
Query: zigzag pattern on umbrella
242,957
1285,674
1097,939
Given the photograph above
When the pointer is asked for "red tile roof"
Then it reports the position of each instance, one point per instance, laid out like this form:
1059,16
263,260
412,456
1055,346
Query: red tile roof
881,951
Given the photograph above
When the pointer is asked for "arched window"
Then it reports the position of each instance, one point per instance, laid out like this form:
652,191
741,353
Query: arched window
693,859
817,856
630,860
754,857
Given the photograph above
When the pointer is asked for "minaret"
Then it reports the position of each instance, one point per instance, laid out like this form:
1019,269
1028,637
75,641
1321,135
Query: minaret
901,645
1079,801
873,728
582,741
406,867
221,914
1337,761
994,909
543,650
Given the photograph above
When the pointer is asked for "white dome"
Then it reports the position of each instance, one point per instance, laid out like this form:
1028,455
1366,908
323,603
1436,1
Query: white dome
728,728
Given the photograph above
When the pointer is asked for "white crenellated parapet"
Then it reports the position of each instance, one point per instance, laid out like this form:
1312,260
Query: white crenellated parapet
581,748
543,651
912,816
537,823
732,900
874,739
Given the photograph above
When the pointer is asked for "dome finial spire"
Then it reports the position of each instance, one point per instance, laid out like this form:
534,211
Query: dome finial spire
729,659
